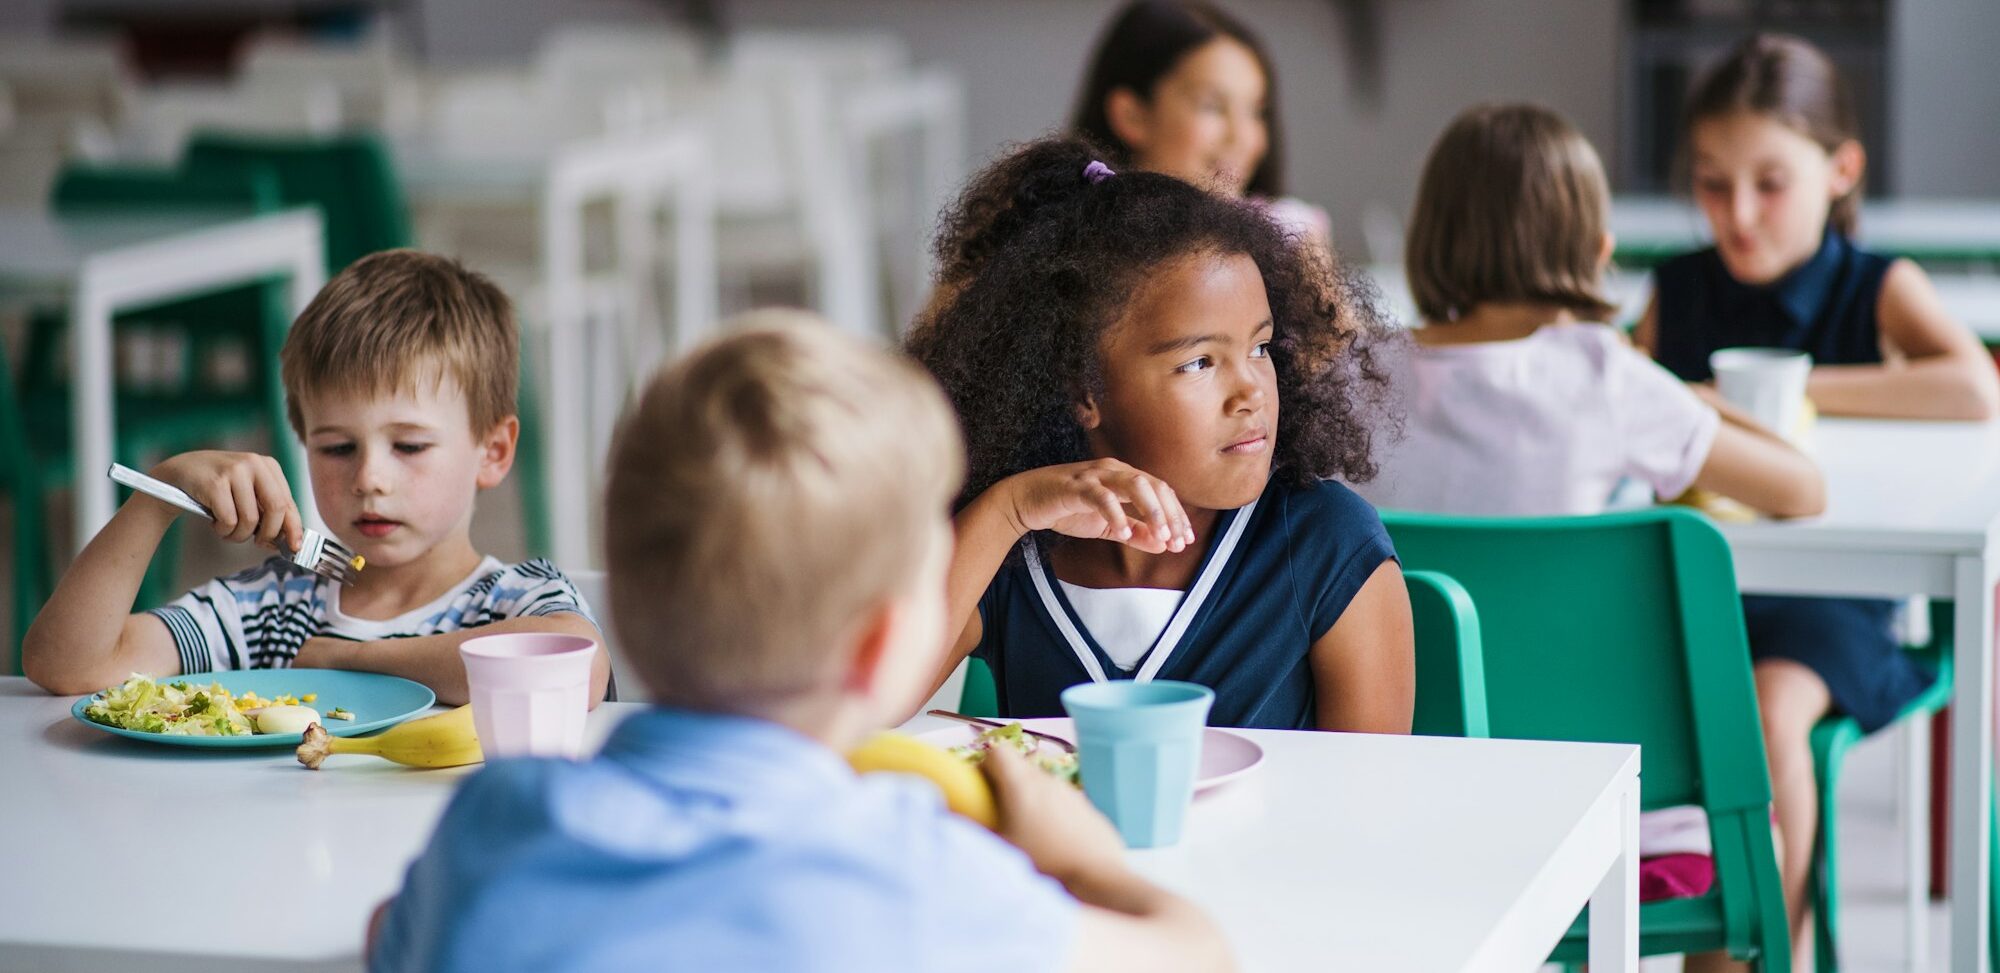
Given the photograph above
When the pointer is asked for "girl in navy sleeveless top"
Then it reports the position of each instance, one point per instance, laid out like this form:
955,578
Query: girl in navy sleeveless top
1777,171
1156,385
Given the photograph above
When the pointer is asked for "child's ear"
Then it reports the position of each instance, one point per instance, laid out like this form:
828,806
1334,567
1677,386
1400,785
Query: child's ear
1605,248
874,638
1087,415
1129,118
1850,160
496,451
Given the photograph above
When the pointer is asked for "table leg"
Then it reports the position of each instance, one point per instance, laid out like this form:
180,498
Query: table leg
94,426
1614,906
1971,764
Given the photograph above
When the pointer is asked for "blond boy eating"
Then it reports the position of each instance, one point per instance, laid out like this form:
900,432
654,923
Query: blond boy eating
400,377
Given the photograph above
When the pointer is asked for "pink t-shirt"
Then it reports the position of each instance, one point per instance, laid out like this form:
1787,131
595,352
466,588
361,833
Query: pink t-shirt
1546,425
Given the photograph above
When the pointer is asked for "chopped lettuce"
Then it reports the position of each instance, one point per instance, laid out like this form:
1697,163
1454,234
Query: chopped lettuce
1054,760
177,708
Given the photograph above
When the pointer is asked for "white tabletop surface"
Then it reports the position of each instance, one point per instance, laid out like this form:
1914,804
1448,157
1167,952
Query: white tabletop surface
41,250
1361,852
1965,227
1923,486
1973,299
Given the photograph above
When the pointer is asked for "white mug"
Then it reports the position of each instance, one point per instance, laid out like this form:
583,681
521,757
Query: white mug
1767,383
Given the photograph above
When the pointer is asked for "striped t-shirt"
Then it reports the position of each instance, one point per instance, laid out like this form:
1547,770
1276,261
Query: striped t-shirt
258,618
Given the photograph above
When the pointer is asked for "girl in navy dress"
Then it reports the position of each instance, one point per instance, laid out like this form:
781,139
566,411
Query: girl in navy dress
1156,384
1777,170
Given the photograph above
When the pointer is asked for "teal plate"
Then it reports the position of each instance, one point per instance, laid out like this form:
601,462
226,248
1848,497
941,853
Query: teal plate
375,700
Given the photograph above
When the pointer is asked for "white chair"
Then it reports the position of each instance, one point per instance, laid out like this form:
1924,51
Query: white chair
882,123
591,61
164,117
65,77
362,74
606,331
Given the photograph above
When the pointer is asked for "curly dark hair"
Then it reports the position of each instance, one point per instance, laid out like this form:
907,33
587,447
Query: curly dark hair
1036,261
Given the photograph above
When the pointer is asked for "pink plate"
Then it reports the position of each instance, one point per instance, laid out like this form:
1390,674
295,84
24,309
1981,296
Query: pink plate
1225,756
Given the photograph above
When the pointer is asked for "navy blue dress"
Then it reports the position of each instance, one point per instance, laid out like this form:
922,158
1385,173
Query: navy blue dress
1275,577
1825,307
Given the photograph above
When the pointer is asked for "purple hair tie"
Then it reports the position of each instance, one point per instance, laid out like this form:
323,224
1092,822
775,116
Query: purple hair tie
1097,172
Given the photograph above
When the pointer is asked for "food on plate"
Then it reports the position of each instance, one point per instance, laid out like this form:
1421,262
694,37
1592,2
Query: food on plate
1058,762
284,719
337,713
964,787
445,740
183,707
180,707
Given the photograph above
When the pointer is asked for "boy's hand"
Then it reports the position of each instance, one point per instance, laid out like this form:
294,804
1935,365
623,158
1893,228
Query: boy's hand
1089,499
1050,820
246,492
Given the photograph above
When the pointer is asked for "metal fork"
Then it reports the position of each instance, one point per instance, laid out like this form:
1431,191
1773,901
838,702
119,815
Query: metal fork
1067,746
317,553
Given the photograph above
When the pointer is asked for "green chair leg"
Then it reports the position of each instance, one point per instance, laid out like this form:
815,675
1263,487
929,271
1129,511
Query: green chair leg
31,566
1830,741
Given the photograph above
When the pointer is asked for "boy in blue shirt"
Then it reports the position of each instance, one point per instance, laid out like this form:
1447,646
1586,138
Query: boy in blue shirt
777,541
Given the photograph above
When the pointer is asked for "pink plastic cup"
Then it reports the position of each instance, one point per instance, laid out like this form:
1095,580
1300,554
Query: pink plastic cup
530,692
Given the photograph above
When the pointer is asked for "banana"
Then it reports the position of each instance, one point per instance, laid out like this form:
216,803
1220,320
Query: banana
964,787
444,740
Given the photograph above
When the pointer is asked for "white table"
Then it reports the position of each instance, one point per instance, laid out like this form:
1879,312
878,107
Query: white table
109,264
1952,229
1913,508
1342,852
1973,299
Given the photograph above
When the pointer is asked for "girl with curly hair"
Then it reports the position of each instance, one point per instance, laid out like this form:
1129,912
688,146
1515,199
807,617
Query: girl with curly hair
1157,385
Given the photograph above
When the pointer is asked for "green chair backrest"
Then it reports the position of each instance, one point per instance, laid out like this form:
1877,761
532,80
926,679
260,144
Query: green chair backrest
980,697
1624,628
87,188
1451,680
349,177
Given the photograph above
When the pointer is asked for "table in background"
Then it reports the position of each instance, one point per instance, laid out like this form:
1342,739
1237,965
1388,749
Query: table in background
103,265
1652,228
1913,508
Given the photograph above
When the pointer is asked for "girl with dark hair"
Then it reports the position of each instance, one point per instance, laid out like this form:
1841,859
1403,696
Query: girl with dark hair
1182,88
1777,169
1156,385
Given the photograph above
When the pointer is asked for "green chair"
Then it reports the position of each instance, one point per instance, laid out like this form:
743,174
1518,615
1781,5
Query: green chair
1628,628
158,421
1451,679
1832,737
1451,693
21,477
979,697
348,177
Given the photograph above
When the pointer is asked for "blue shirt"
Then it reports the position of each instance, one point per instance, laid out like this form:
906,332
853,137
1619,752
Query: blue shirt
702,843
1296,560
1824,307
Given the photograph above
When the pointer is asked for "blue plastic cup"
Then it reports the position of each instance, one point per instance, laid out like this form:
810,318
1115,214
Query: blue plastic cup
1138,750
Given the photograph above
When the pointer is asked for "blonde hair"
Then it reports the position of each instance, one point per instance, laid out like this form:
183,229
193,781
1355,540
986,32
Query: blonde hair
397,319
767,490
1512,206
